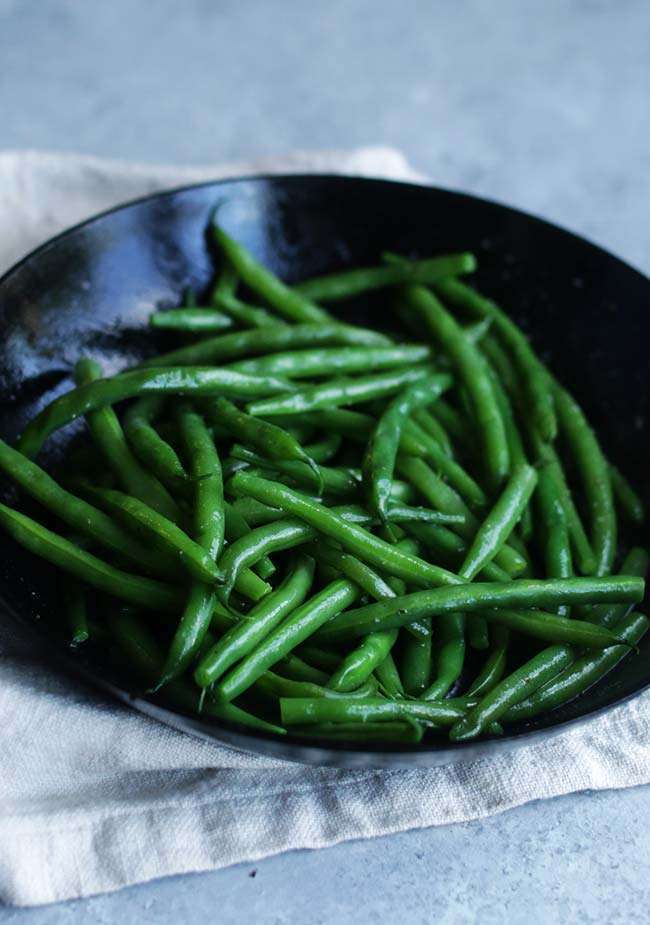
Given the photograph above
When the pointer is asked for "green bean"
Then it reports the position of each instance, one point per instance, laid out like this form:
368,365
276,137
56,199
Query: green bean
444,498
84,518
477,331
286,301
381,451
431,426
582,674
367,579
143,652
414,442
595,475
552,628
250,316
259,513
209,506
272,441
226,283
450,654
76,613
352,424
338,392
504,370
415,662
324,659
515,442
443,542
325,450
557,549
294,668
229,347
209,529
279,535
472,374
477,634
90,570
348,283
635,563
314,363
499,523
296,628
583,553
533,375
109,437
358,665
322,479
511,690
453,422
154,452
191,319
150,526
252,629
353,568
235,524
184,380
296,710
388,676
403,733
629,503
274,685
354,539
495,664
399,611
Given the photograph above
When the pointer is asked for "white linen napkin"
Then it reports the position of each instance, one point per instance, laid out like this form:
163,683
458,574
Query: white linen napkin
94,796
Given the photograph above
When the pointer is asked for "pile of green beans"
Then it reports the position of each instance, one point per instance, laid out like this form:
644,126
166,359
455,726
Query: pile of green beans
289,522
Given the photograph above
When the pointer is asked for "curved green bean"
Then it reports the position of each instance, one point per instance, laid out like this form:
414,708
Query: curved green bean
582,674
109,437
556,544
294,710
286,301
470,366
500,522
338,392
347,283
329,361
183,380
145,592
250,316
358,665
628,501
449,654
154,452
409,608
190,319
495,664
257,624
596,480
533,375
511,690
296,628
381,451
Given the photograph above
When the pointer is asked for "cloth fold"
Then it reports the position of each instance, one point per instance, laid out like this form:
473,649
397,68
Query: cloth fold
94,796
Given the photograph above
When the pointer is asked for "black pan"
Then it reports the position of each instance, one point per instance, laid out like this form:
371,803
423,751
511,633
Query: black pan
91,289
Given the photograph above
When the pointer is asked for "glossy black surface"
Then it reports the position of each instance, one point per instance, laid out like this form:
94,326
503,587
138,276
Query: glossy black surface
92,289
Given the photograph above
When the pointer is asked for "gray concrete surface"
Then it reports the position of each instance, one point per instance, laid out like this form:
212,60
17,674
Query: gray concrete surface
543,103
574,860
